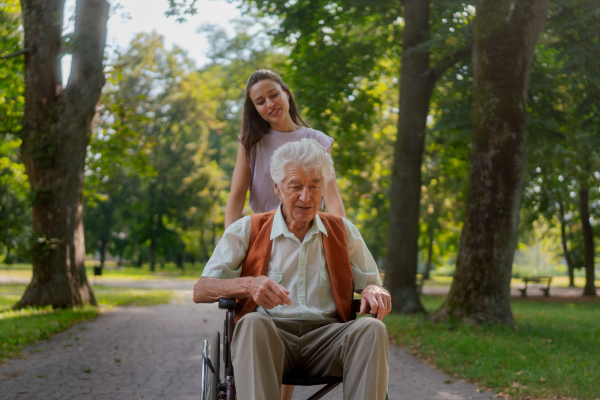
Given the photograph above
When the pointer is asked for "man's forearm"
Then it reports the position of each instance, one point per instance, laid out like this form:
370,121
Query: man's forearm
209,290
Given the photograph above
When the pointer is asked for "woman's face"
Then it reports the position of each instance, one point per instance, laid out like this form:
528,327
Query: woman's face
271,102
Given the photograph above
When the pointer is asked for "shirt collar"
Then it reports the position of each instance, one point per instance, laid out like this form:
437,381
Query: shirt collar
280,228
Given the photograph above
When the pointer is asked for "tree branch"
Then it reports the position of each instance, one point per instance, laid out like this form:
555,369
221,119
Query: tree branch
436,72
87,49
15,54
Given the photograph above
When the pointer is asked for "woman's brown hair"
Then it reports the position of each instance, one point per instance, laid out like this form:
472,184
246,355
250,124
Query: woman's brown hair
254,127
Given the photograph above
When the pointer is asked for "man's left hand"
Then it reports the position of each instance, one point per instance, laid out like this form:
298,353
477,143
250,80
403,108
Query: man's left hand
378,299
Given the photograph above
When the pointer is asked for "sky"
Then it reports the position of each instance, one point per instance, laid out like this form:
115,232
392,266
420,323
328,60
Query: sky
135,16
148,15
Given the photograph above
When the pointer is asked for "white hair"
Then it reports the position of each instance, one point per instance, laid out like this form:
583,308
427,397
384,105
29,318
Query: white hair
305,153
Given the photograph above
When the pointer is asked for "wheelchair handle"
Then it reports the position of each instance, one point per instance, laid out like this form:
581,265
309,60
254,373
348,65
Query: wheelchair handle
226,303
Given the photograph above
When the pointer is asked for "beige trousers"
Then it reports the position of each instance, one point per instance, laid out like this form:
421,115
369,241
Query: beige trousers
263,350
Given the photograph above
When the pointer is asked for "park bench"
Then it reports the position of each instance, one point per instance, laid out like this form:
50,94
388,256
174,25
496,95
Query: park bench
537,279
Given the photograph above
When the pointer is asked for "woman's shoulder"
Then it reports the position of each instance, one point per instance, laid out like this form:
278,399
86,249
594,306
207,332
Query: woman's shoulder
323,139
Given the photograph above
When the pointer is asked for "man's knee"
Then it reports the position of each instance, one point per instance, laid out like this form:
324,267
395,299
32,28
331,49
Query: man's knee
254,326
372,328
372,324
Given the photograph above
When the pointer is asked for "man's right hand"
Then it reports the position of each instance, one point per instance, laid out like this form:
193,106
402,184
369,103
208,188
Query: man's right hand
268,294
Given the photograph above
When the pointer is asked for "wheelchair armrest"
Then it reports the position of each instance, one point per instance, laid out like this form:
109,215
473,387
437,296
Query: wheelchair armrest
226,303
356,307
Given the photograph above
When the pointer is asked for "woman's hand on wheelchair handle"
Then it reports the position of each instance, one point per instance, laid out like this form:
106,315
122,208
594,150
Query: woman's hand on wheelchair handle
268,294
378,299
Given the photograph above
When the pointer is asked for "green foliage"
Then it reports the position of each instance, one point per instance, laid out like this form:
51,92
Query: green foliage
564,122
11,69
343,66
555,351
15,213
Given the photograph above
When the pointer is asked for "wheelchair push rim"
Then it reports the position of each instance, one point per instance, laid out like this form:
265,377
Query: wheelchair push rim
210,380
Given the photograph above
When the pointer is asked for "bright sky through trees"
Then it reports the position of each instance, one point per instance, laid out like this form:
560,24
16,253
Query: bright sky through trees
134,16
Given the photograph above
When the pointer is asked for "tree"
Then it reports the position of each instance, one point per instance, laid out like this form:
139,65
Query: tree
417,80
56,128
564,126
505,34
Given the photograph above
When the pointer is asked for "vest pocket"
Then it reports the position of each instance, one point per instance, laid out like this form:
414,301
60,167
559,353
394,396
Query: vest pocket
277,277
326,294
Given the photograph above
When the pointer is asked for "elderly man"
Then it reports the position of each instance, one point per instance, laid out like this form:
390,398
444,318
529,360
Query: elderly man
299,268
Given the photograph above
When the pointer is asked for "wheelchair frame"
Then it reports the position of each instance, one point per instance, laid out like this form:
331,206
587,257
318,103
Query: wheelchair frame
212,387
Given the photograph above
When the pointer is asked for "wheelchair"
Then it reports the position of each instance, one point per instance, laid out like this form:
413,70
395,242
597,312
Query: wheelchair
213,388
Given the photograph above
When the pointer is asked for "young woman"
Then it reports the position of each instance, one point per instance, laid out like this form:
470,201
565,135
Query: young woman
270,119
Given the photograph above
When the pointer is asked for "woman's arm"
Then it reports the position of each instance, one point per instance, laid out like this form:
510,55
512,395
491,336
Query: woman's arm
333,200
239,188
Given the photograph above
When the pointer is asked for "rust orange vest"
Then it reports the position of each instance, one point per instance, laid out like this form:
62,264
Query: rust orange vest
337,256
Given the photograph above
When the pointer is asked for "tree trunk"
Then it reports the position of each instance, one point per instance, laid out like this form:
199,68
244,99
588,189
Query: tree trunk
56,130
429,255
405,189
505,33
102,254
566,252
153,255
588,242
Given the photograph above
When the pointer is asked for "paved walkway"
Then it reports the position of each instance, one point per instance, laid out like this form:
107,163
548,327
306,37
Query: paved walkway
155,353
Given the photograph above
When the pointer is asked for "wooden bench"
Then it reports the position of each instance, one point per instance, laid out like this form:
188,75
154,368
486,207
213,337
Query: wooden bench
537,279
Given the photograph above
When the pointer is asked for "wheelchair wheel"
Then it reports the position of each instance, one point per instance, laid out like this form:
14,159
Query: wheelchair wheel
210,380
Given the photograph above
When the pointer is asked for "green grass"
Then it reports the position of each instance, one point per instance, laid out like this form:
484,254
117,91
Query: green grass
111,272
556,351
27,326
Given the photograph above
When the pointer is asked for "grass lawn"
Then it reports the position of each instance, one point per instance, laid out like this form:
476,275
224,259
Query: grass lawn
556,351
111,272
27,326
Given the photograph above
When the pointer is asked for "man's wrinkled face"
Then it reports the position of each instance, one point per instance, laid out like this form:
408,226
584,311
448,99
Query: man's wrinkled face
300,192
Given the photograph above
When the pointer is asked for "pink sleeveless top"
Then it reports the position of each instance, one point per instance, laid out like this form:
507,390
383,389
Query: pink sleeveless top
262,195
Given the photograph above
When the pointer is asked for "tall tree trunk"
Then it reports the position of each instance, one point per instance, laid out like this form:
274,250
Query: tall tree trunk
102,254
588,242
563,236
152,255
417,80
429,255
405,189
505,33
56,130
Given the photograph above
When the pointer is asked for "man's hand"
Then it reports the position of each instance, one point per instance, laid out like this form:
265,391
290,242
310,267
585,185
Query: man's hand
268,294
378,299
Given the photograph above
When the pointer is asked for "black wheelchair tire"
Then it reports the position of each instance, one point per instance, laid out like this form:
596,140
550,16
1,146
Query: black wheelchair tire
215,359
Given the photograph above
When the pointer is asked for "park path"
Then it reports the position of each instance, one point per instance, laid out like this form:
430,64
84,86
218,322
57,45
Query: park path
185,284
155,353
